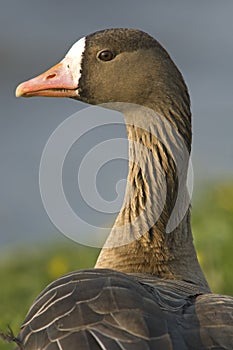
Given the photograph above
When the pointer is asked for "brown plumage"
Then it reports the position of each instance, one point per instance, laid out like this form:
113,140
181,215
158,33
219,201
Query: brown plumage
147,290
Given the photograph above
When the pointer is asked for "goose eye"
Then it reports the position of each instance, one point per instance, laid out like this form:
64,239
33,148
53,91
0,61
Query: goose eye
106,55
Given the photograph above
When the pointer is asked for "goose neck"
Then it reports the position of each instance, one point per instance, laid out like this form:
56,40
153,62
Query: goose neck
152,233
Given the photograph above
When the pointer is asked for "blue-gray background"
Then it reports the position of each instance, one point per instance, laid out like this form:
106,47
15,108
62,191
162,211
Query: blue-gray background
35,34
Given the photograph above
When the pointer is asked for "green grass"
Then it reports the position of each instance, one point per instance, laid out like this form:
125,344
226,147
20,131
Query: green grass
24,272
212,223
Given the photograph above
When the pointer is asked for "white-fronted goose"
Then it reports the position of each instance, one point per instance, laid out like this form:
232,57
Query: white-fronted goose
147,290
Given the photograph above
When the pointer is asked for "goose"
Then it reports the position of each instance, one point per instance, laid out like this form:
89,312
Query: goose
147,289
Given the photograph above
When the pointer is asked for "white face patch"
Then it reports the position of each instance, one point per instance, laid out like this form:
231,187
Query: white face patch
73,58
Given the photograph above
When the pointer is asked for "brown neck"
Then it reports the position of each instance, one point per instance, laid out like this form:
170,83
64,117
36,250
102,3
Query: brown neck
152,233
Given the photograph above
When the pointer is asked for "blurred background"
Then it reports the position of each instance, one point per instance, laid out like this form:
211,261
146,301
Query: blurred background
33,37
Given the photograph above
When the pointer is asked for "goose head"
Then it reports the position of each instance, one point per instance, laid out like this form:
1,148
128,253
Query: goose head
114,65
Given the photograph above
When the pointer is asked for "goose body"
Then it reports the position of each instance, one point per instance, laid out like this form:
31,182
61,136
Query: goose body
147,290
106,309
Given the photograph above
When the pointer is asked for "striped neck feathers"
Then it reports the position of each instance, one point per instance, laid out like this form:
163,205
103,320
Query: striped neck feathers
152,232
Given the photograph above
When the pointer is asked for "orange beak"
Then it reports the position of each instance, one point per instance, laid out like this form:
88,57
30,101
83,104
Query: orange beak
56,82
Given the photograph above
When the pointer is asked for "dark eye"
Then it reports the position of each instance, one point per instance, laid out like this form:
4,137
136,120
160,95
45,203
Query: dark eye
106,55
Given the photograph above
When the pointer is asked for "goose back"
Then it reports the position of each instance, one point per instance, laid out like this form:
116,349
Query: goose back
102,309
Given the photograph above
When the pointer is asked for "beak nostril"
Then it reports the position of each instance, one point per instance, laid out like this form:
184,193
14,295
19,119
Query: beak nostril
51,76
